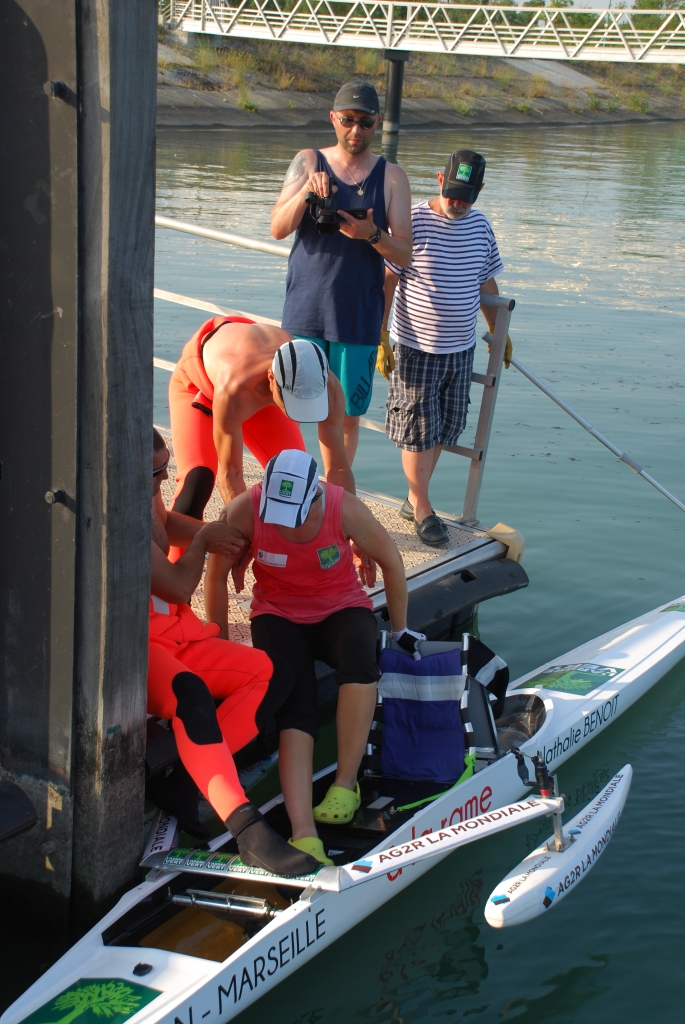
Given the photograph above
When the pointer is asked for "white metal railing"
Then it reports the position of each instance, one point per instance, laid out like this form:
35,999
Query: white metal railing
555,33
243,241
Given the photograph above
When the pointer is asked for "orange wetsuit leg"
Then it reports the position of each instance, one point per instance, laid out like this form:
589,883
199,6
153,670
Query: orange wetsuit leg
177,693
238,675
269,432
193,440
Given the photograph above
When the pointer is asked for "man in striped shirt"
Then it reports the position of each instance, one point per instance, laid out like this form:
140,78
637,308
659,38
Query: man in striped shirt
433,329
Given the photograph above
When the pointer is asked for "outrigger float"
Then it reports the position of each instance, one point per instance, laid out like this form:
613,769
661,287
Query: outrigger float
203,936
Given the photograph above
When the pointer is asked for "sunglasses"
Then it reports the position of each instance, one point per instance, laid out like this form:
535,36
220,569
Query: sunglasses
160,469
363,122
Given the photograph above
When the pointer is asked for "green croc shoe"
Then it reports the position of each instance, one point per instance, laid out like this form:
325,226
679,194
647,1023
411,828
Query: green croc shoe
314,847
338,806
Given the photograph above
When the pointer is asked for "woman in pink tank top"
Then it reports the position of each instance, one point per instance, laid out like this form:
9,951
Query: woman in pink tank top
305,582
309,605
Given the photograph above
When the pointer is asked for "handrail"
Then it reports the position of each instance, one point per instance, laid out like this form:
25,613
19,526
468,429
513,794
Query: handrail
211,307
586,425
609,34
221,236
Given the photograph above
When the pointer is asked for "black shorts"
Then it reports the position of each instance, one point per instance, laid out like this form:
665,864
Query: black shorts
346,641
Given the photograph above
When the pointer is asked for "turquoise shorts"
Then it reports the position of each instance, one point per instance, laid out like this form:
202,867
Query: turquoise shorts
354,366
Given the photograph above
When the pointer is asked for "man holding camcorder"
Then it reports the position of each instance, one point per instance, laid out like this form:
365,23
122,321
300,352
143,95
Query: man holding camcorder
350,210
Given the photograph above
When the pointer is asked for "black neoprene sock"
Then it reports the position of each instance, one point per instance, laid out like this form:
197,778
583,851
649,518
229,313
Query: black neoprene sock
261,847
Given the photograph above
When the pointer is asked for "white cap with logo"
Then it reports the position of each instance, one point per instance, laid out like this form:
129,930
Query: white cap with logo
290,482
300,369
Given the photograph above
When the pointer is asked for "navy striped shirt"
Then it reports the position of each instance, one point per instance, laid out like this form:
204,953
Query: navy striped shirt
438,294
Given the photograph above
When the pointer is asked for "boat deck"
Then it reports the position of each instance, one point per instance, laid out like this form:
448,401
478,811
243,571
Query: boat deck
467,545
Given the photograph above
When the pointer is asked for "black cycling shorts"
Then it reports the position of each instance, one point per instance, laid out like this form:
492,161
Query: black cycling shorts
346,641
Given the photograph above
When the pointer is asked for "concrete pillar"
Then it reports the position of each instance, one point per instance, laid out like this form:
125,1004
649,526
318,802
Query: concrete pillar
393,102
393,92
76,279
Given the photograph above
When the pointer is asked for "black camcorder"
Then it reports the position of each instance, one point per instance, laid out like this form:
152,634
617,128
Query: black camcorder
324,210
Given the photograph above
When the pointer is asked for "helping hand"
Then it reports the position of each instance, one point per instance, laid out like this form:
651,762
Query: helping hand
385,360
365,566
359,229
508,349
221,539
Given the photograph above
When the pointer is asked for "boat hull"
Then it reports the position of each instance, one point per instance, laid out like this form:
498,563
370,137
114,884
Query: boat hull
583,693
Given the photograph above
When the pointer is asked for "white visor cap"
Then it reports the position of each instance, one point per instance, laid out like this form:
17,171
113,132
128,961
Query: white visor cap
301,371
290,482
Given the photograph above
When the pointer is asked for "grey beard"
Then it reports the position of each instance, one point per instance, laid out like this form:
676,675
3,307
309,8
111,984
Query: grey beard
454,214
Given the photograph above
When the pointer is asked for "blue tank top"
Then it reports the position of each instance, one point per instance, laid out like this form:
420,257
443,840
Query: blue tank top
334,286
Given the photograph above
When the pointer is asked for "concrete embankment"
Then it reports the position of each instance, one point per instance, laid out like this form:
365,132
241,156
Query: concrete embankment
234,89
185,108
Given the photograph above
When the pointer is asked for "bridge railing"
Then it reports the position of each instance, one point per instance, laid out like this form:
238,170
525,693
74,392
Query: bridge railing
609,34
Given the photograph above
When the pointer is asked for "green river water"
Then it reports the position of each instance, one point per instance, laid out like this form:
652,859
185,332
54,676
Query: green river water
591,227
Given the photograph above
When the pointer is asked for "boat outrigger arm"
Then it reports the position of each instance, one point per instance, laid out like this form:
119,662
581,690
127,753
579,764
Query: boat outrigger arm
526,892
445,841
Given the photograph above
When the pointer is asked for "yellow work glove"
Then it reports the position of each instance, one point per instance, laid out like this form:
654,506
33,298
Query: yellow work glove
508,349
385,360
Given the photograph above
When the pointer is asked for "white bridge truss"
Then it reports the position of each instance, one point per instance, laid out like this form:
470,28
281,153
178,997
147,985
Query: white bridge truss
552,33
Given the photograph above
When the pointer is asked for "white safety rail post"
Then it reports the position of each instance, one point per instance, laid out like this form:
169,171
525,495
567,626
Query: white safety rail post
490,382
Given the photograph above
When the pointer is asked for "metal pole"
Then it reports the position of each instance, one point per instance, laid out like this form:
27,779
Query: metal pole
221,236
393,91
621,455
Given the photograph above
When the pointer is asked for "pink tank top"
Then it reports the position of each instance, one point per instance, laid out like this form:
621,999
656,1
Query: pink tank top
305,582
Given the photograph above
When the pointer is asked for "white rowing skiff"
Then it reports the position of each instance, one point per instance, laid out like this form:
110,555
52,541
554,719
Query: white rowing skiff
204,937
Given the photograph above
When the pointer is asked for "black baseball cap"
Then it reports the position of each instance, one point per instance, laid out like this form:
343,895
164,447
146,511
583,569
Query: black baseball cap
357,96
464,174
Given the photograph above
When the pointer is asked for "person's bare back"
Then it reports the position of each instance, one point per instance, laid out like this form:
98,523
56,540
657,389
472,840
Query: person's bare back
237,359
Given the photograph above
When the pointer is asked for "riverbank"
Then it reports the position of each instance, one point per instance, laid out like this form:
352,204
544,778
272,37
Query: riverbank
281,85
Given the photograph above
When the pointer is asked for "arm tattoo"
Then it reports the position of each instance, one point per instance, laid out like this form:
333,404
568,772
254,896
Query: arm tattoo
296,169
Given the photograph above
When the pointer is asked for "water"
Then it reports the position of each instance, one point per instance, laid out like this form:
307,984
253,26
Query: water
590,224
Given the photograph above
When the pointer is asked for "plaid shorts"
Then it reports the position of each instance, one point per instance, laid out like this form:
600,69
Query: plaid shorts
428,397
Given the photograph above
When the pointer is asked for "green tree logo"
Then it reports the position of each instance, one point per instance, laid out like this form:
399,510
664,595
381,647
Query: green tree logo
107,999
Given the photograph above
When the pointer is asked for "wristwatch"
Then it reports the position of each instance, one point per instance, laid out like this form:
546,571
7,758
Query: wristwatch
375,237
